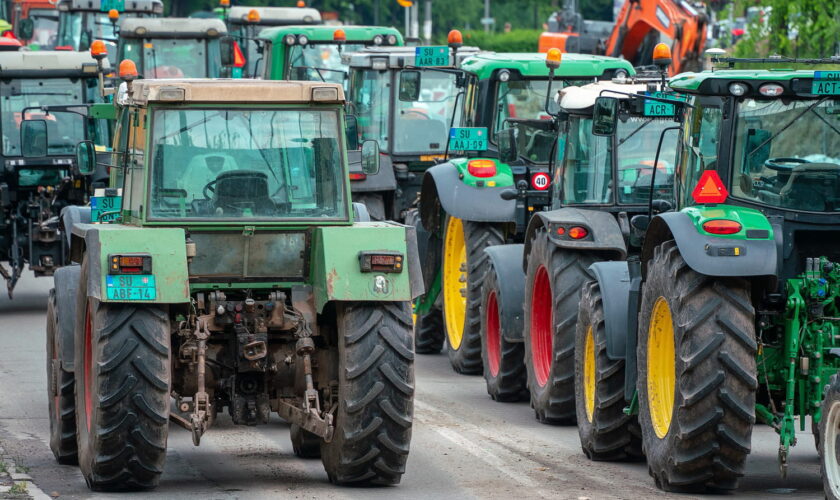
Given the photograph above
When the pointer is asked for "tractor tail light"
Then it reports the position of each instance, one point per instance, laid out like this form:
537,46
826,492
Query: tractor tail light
721,226
358,176
578,232
481,168
381,262
129,264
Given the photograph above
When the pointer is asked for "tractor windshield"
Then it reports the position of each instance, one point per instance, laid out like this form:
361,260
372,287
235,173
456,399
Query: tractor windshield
76,30
246,164
787,154
45,27
174,57
320,62
370,98
592,162
422,126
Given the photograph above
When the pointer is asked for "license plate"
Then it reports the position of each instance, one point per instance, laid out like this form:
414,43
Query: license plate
130,287
659,108
105,208
826,83
468,138
431,56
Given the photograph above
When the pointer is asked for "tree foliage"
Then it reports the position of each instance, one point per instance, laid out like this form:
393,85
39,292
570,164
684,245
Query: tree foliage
792,28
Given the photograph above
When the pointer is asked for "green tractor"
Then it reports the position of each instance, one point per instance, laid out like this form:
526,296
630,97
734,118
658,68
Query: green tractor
730,314
80,22
234,272
314,53
460,206
50,101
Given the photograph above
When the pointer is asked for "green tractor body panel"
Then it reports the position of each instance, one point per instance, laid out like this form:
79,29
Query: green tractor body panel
704,82
502,178
531,65
752,221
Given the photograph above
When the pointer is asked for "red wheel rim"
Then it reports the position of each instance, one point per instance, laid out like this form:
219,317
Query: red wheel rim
88,367
541,326
494,338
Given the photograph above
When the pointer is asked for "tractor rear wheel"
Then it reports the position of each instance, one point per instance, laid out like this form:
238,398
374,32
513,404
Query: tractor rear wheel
464,267
62,401
428,332
697,374
606,432
553,282
304,443
375,395
123,392
830,438
504,366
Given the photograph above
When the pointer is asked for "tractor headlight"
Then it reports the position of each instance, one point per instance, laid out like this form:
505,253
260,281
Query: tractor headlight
290,39
303,39
738,89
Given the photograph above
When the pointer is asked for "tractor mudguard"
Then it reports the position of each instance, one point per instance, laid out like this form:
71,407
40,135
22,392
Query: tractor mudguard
337,256
711,255
66,282
383,180
72,215
614,281
360,213
166,246
511,279
604,231
442,184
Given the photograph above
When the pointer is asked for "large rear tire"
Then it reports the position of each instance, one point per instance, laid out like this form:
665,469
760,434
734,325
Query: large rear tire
62,401
697,374
504,366
553,282
830,439
122,394
375,395
464,267
606,432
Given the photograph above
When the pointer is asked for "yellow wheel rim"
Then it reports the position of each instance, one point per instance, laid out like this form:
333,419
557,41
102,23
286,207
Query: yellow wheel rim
589,374
661,368
454,281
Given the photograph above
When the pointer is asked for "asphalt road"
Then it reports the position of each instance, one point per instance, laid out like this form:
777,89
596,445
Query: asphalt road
464,444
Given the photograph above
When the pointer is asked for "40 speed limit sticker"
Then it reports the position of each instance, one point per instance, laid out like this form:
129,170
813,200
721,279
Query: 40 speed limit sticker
540,181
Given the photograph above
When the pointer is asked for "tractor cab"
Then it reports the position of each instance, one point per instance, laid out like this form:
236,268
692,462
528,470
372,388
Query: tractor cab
44,111
246,23
80,22
314,53
35,22
177,47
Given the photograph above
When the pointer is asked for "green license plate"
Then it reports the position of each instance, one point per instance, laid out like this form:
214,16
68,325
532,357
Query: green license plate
105,208
659,108
468,138
130,287
826,83
107,5
431,56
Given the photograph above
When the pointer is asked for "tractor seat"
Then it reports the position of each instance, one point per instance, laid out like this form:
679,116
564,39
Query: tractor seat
812,186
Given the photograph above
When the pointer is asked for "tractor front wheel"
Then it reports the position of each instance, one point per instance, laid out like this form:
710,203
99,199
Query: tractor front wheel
696,374
62,402
122,392
829,432
375,395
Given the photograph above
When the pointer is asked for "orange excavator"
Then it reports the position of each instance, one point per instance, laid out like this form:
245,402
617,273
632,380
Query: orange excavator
640,25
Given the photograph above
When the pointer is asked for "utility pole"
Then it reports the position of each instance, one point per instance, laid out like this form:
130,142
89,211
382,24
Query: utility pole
487,16
415,20
427,23
376,12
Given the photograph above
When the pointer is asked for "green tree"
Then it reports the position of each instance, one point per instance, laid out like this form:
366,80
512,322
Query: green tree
792,28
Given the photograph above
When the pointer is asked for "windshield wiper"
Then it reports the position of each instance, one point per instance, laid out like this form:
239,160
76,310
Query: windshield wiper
640,127
800,115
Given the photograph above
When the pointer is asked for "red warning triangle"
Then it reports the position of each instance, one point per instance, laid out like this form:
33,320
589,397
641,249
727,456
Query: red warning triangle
710,189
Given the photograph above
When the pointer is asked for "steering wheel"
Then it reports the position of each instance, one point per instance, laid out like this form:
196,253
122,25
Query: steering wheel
416,112
783,164
210,188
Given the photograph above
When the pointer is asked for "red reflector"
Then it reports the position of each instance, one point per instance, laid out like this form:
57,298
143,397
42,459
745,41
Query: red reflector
721,226
358,176
238,56
481,168
710,189
577,232
561,230
64,47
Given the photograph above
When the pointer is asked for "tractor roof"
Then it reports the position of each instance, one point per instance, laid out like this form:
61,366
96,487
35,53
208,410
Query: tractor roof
577,99
324,34
45,64
235,91
275,16
397,57
533,65
172,27
795,82
147,6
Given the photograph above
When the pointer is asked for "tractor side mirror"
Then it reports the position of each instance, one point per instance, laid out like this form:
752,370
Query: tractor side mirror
605,116
370,157
409,86
351,130
508,148
86,157
33,138
227,49
26,28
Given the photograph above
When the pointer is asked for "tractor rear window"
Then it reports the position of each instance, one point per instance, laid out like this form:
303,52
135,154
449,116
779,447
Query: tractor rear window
246,164
787,155
320,62
170,57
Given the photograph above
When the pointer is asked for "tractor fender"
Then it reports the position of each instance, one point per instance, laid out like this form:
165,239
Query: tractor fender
613,279
66,282
755,257
443,189
72,215
384,180
511,279
604,232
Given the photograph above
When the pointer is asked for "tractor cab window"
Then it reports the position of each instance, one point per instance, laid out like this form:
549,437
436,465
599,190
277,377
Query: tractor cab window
76,30
787,154
246,164
636,143
320,62
422,126
700,145
587,167
525,99
370,97
45,28
173,58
